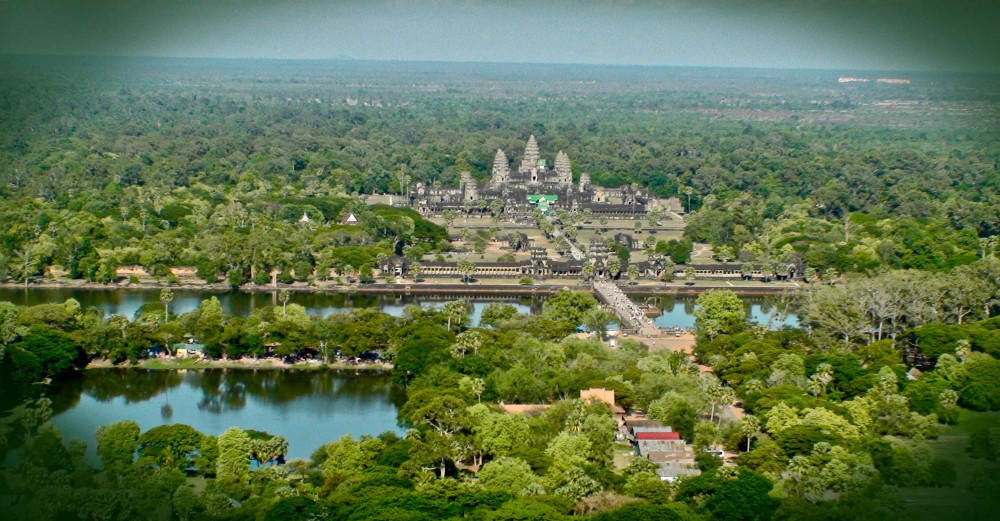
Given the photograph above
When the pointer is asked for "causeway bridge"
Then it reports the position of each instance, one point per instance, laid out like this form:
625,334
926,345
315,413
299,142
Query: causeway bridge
630,316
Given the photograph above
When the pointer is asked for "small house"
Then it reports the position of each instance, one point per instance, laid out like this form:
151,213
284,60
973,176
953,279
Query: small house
189,350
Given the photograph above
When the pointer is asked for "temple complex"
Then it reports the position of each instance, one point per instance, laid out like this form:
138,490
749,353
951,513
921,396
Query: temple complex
534,184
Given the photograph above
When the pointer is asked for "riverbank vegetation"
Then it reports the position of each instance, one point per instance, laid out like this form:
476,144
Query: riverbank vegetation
825,432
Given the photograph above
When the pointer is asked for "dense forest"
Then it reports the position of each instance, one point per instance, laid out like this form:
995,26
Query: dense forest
828,433
209,163
886,394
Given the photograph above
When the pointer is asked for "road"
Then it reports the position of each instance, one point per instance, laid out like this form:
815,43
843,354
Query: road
557,233
628,312
629,315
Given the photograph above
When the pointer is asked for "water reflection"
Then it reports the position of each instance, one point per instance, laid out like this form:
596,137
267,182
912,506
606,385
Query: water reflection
678,311
127,302
307,407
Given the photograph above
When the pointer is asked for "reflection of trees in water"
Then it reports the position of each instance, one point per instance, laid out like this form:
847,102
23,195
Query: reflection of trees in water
767,304
242,304
285,386
220,392
135,385
228,390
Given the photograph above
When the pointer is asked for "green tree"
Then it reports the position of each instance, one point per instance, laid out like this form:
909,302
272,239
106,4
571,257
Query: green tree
283,297
633,273
117,444
598,320
982,388
501,434
169,446
495,313
719,312
166,297
233,464
455,311
465,342
508,475
467,268
614,266
750,428
571,306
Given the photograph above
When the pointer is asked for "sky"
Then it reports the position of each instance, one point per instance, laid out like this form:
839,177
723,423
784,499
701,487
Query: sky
939,35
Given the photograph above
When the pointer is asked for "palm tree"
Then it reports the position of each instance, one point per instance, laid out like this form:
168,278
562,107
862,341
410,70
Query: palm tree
633,273
466,267
283,296
716,397
750,428
449,217
496,206
166,296
824,373
454,309
614,266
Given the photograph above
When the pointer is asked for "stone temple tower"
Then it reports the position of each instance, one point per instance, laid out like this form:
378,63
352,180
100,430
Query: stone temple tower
501,169
584,182
564,170
467,185
530,160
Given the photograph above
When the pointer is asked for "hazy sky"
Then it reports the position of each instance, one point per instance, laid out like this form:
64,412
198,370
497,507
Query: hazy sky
961,35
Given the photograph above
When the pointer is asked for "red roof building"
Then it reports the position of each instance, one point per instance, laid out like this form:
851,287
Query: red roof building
657,435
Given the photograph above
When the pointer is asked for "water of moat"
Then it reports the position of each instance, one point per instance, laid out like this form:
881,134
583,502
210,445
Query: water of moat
676,311
309,408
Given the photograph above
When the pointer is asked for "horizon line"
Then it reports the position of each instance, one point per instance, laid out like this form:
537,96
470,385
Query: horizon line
492,62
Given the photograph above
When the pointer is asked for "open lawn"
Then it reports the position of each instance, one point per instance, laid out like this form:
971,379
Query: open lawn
622,455
585,235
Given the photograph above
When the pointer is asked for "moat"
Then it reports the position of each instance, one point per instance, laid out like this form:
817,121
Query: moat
675,310
309,408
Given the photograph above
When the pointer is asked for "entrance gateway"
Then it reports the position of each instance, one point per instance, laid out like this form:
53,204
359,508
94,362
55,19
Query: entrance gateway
542,201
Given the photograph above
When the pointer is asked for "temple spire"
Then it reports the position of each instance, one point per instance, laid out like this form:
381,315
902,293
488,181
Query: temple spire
564,169
530,161
501,169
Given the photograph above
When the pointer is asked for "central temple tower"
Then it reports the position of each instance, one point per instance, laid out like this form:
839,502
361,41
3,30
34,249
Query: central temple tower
530,160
